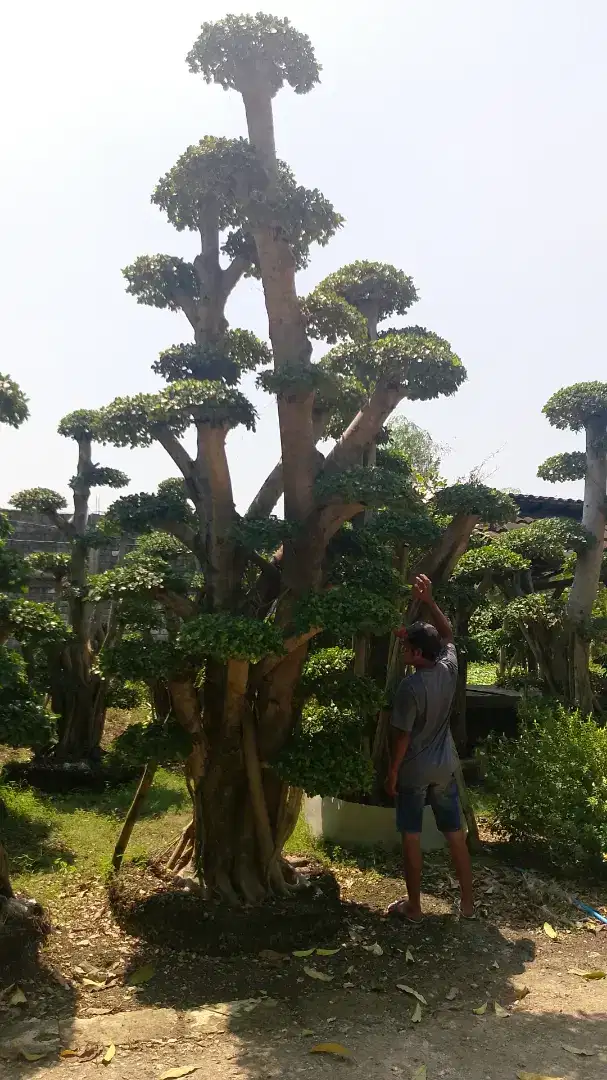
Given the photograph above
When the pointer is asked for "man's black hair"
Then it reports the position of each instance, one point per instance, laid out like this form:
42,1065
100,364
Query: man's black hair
426,638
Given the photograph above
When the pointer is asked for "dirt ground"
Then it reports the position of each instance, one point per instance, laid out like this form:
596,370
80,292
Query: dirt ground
549,1019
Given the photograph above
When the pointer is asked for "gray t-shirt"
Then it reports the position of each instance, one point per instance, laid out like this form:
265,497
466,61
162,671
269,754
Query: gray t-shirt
422,705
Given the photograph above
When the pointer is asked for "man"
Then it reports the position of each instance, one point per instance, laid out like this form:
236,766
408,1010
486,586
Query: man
423,756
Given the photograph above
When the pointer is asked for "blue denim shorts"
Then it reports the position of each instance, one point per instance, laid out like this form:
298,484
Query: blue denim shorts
410,803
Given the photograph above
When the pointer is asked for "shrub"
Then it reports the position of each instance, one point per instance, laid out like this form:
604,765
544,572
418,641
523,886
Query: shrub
325,757
551,784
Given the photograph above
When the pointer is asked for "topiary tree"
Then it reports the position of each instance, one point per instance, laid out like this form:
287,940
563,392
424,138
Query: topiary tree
582,407
237,631
77,693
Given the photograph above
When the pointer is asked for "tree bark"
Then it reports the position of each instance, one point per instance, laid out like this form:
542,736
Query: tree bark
588,566
6,889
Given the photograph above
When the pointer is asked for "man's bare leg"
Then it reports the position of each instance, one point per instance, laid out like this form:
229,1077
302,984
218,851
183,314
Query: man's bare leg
463,869
412,859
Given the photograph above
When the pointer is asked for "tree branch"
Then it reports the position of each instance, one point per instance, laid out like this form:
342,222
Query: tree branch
62,524
232,275
271,490
270,662
173,602
365,426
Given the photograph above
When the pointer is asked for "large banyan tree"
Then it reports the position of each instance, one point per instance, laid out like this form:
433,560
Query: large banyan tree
237,602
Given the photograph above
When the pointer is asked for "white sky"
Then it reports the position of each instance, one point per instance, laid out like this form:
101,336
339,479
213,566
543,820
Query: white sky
464,141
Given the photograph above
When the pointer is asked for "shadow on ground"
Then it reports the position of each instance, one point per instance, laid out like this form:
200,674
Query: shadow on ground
200,957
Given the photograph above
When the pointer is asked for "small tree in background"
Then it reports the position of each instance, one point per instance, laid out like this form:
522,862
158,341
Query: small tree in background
77,694
13,412
239,629
582,407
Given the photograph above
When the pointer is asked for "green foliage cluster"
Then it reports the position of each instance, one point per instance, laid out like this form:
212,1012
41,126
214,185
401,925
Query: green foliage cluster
548,540
239,49
372,286
562,467
152,740
323,757
81,424
346,609
161,281
24,720
229,637
142,513
135,421
262,534
329,679
99,476
370,485
550,784
412,357
330,317
38,501
13,402
236,352
573,406
494,559
490,505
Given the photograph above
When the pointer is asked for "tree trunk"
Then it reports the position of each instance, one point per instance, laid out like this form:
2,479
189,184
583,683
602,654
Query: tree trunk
6,889
242,812
459,728
78,698
588,566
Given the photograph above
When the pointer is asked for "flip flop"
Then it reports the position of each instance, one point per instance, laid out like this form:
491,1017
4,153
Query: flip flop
457,910
398,909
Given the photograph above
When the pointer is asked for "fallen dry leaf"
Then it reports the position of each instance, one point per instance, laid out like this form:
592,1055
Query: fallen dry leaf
301,954
17,997
420,1073
94,985
109,1055
307,1031
173,1074
536,1076
326,952
321,976
577,1050
272,956
452,993
499,1010
482,1009
31,1057
521,992
375,949
331,1048
409,959
409,990
88,1052
417,1013
550,931
588,974
141,975
68,1053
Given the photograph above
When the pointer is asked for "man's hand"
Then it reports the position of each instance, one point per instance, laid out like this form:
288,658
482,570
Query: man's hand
422,589
391,783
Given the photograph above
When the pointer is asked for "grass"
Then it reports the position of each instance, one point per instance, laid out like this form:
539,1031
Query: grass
50,837
482,674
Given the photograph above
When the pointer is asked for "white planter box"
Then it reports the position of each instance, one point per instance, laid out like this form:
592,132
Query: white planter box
353,824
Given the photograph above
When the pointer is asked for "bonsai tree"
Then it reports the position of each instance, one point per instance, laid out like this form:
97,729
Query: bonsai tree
240,628
582,407
77,693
